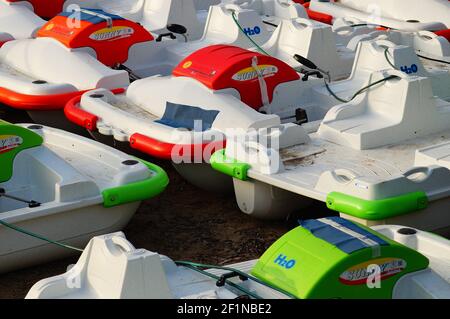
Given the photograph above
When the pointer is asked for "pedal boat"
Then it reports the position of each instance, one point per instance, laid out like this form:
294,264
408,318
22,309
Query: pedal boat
250,91
64,187
153,15
382,158
31,76
327,258
406,15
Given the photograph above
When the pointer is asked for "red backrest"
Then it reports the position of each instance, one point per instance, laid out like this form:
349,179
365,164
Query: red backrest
109,35
222,66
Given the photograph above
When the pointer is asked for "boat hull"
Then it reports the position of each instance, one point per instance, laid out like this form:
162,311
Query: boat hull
75,228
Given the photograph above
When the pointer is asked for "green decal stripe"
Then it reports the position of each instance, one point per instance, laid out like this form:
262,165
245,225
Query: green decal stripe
229,166
377,209
137,191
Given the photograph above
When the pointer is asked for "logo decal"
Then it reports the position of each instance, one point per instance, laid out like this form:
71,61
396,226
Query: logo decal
252,31
49,26
359,274
410,70
250,73
9,142
282,261
187,65
113,33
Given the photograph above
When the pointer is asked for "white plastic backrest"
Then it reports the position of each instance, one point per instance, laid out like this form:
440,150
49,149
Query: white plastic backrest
430,42
220,26
110,267
309,39
160,13
370,57
47,59
398,110
283,9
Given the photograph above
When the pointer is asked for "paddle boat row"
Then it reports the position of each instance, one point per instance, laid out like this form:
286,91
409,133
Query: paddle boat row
320,259
30,69
386,148
62,186
250,91
21,19
31,77
153,15
407,15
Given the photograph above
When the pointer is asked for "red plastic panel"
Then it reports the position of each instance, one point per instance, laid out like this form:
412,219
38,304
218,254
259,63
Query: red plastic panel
222,66
111,44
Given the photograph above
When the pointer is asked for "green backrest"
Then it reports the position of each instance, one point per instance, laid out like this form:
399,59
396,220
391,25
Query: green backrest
14,139
329,258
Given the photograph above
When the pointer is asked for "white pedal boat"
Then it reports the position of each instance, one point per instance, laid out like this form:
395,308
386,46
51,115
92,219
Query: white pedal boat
30,70
407,15
66,188
381,158
321,259
226,99
154,15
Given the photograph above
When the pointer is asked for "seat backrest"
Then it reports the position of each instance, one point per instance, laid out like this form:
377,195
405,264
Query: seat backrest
221,27
110,36
222,66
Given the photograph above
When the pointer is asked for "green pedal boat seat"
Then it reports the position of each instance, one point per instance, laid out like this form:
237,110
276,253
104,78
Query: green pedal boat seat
13,140
336,258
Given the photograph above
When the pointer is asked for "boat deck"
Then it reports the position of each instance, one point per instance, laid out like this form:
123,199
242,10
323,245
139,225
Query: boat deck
130,108
304,164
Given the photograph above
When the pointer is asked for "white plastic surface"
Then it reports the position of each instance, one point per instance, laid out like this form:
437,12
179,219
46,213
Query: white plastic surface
154,15
18,20
110,267
66,175
430,14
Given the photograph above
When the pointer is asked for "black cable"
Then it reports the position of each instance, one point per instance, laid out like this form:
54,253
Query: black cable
431,59
271,24
360,91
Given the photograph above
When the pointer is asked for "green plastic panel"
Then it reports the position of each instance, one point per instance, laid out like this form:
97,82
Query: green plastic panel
220,162
138,191
311,268
377,209
13,140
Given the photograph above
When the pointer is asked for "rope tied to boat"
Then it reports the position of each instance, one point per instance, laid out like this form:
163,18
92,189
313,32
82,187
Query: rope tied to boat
31,234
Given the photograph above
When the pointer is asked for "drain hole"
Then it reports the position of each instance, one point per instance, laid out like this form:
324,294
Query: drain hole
130,162
407,231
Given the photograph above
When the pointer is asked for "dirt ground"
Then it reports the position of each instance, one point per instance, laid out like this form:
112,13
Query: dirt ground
185,223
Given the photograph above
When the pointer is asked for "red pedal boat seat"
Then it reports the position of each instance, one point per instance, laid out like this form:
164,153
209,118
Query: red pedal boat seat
222,66
110,36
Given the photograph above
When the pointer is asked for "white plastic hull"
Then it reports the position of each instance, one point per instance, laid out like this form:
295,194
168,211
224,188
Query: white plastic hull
75,228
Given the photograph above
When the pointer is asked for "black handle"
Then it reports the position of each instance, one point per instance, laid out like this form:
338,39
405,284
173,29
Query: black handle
165,35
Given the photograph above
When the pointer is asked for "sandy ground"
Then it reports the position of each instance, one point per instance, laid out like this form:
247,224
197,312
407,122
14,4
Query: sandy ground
185,223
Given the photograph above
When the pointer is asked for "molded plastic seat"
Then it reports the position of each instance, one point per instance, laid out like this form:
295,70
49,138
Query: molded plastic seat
400,110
